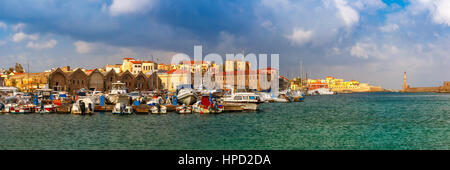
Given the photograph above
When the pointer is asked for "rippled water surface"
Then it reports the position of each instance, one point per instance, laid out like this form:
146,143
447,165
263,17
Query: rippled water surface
347,121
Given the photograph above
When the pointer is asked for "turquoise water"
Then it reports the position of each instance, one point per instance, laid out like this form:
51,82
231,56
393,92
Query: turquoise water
347,121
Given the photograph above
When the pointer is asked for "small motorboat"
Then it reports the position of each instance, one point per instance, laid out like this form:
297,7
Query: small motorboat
207,106
158,109
122,109
183,109
186,95
23,109
249,100
83,106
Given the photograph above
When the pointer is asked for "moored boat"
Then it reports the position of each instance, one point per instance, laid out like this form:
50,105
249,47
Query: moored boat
183,109
250,101
122,109
186,94
83,107
207,105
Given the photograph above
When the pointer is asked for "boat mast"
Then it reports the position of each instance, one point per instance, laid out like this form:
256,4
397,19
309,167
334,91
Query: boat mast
28,76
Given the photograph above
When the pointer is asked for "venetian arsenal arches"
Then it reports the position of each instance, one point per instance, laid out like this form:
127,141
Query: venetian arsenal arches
96,81
128,79
58,80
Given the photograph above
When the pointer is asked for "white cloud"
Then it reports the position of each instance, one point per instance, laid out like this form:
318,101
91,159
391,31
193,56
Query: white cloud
120,7
18,37
349,15
300,36
83,47
3,25
359,50
18,27
389,28
44,45
439,10
368,50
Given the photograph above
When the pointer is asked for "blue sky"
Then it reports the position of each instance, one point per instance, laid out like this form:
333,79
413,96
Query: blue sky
371,41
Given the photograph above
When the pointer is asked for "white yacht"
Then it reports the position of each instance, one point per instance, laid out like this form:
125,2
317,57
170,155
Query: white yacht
118,93
186,94
249,100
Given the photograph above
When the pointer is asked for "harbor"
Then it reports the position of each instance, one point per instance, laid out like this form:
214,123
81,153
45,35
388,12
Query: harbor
342,121
119,101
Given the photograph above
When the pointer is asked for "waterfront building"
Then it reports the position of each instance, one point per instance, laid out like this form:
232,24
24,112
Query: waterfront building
158,80
26,81
96,80
149,66
163,67
115,67
127,78
2,80
78,79
136,67
236,65
141,82
110,78
127,65
259,79
194,66
177,77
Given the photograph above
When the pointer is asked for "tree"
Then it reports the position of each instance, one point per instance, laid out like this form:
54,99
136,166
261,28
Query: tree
19,68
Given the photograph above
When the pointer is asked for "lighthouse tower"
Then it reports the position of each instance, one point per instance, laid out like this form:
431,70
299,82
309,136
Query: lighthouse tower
405,86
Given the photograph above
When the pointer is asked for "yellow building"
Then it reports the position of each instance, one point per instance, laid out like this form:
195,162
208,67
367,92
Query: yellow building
177,77
148,66
163,67
127,65
27,81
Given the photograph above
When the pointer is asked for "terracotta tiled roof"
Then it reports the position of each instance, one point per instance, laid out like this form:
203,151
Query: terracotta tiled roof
177,71
136,62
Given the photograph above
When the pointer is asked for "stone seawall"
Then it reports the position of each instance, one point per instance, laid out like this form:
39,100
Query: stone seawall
421,89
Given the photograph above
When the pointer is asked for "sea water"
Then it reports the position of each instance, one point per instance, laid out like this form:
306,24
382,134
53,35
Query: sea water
345,121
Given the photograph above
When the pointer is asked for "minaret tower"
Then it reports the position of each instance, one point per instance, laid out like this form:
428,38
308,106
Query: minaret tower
405,86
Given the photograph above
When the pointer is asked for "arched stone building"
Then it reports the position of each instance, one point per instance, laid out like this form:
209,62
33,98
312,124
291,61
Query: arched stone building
140,82
96,80
110,78
128,79
154,82
58,80
77,80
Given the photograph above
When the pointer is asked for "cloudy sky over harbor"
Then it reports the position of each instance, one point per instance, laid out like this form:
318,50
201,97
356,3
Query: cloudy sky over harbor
371,41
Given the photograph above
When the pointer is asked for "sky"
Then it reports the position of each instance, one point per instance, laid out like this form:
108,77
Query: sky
372,41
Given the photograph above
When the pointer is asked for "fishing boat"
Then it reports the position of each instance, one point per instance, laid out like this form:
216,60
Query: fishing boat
122,109
184,109
249,100
207,105
23,109
83,106
9,107
118,93
45,101
158,109
186,94
296,96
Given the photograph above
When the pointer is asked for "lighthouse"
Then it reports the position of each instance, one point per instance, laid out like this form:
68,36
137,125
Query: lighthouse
405,86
